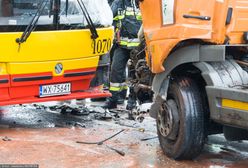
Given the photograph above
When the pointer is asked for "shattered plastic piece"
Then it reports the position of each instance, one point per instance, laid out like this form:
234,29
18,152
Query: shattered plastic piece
6,139
54,108
79,124
65,109
80,112
105,116
37,106
99,110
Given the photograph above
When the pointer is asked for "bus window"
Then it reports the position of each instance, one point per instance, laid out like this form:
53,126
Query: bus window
99,11
15,15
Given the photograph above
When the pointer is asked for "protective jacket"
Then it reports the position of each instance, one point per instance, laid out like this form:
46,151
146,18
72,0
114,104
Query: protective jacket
127,22
110,2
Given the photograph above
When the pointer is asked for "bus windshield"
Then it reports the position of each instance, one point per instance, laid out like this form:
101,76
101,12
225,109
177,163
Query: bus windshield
15,14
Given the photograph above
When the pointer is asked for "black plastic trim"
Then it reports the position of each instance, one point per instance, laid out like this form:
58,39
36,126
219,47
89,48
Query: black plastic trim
35,78
76,74
2,81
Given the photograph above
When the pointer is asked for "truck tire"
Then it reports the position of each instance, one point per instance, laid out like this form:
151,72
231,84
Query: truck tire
180,120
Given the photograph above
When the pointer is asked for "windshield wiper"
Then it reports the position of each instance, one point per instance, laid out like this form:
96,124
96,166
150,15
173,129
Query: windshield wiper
32,25
94,34
66,7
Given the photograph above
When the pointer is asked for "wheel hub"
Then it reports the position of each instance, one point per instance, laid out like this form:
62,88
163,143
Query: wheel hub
168,120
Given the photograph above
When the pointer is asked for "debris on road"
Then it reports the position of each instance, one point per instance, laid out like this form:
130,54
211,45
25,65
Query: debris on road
140,118
79,124
103,116
126,124
80,112
150,138
116,150
6,139
41,107
99,113
141,129
101,142
228,149
130,147
66,109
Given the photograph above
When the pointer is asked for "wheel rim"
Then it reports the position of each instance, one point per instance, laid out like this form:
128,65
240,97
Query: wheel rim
168,120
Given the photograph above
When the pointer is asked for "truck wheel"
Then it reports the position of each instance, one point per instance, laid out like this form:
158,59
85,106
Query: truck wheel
180,121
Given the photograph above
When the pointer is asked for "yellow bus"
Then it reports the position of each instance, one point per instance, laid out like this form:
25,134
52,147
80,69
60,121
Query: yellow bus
50,49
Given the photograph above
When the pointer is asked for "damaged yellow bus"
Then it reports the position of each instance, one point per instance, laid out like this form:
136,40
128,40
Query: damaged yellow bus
50,49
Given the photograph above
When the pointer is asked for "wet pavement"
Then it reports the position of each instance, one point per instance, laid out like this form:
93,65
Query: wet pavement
36,134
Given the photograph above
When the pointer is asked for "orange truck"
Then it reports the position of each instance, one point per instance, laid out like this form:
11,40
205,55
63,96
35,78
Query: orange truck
50,50
198,53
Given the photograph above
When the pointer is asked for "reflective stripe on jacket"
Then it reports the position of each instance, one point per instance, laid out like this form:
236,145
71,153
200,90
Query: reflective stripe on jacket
129,42
117,87
128,13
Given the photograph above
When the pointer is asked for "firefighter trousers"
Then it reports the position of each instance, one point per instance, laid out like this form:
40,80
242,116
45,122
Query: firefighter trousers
118,71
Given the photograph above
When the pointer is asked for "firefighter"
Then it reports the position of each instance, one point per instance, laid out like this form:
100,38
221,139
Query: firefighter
127,22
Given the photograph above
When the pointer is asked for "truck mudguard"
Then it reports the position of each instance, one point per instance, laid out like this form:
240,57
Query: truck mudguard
189,54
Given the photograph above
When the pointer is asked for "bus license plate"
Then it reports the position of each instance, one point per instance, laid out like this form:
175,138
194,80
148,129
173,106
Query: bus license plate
55,90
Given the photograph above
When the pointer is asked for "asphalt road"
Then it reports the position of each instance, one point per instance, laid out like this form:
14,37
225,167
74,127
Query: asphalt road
35,134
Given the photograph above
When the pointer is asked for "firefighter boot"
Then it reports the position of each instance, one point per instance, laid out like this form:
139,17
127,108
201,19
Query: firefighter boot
111,102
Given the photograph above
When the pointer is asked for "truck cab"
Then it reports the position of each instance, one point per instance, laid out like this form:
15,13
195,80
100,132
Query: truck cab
198,53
